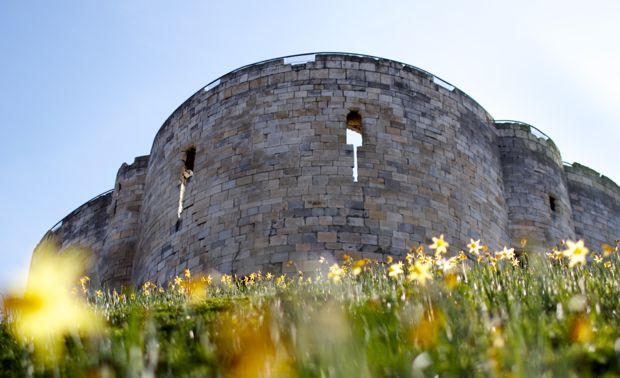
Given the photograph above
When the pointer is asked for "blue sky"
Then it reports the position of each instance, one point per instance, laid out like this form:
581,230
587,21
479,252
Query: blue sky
85,85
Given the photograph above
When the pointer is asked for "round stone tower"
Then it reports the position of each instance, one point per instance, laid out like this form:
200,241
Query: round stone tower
278,163
596,205
539,208
270,177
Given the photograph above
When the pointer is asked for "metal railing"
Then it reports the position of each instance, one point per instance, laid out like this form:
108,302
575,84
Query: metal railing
60,222
533,130
291,58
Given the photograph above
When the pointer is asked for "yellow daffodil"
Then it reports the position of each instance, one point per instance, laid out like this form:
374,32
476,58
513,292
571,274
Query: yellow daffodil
461,256
281,281
178,281
505,254
335,273
446,265
474,247
84,281
207,279
395,270
187,273
46,312
358,266
439,245
419,272
608,249
226,279
576,252
410,257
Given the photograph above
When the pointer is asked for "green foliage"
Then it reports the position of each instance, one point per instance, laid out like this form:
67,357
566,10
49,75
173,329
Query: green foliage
545,319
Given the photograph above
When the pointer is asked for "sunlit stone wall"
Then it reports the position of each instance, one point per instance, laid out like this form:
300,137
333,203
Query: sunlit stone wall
254,172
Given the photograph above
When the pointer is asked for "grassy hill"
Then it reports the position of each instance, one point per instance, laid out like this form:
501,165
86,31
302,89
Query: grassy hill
476,314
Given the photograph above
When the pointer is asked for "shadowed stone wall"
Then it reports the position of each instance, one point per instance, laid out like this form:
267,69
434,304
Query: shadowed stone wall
116,260
85,227
596,205
539,209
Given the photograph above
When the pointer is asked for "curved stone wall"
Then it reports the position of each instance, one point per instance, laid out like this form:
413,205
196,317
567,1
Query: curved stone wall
596,205
272,180
116,259
539,209
85,227
254,172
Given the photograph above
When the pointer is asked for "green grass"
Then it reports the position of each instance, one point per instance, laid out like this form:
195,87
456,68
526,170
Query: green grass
541,320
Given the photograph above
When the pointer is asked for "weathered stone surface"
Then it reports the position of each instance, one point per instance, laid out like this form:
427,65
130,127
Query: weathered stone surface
536,194
271,185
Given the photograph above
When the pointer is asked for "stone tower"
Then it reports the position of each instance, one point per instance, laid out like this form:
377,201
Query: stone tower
254,171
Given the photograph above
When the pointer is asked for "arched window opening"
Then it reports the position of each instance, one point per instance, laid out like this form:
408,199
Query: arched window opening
354,136
186,175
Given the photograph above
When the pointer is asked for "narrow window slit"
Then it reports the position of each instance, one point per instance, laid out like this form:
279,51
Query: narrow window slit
552,203
186,174
354,136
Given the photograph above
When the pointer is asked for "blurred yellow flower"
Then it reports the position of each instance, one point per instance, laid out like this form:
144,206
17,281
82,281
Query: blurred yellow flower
335,273
555,254
608,249
281,281
147,286
576,252
226,279
178,281
187,273
461,256
446,265
410,257
505,254
581,330
207,279
359,265
420,272
395,270
84,281
46,312
439,245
